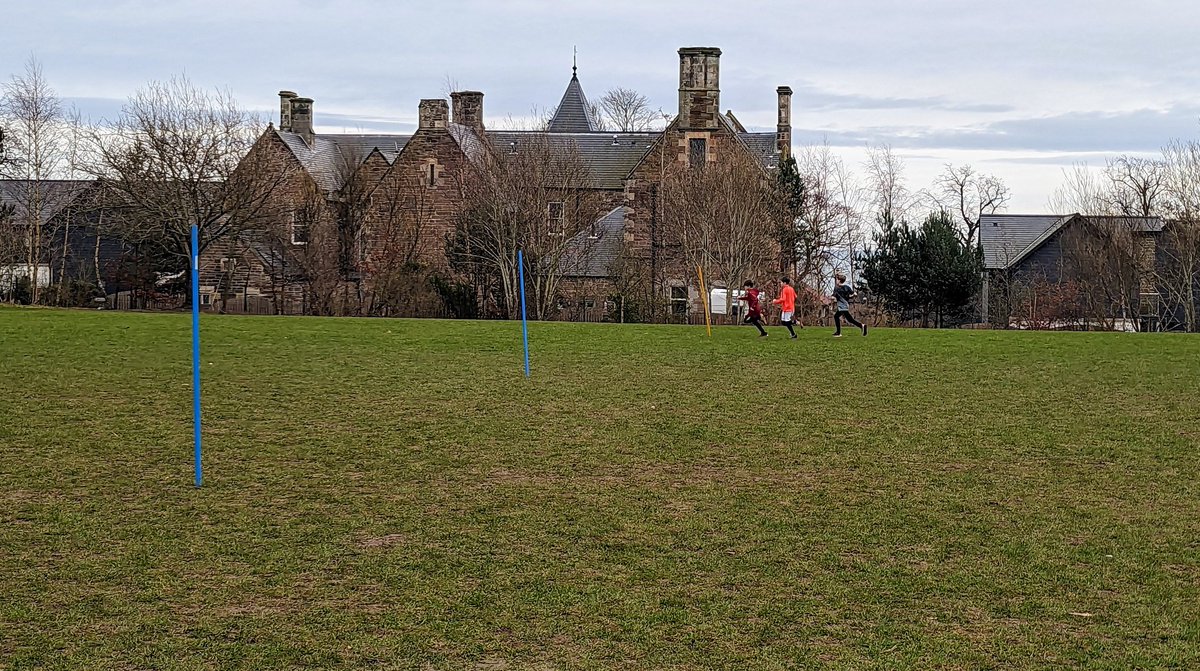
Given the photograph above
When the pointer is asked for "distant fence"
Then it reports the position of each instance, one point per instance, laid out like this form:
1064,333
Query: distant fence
590,312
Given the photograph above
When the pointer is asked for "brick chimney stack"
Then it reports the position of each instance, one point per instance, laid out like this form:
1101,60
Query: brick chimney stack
432,114
699,88
302,119
468,109
783,131
285,109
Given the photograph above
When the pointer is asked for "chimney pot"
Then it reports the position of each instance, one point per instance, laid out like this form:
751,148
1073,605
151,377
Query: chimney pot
302,118
468,109
699,87
432,114
285,109
783,131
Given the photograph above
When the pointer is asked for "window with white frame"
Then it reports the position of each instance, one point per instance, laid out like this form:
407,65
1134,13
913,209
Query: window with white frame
228,264
299,229
679,301
556,218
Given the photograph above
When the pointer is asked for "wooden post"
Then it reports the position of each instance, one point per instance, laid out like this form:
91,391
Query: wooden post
704,297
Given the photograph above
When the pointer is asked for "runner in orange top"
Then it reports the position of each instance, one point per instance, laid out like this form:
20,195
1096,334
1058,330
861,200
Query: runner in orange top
787,305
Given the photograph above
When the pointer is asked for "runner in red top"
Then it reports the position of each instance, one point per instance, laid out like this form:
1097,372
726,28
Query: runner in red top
753,310
787,305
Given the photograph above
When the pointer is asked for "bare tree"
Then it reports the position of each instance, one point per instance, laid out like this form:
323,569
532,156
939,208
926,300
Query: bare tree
627,111
856,228
823,220
36,152
969,195
885,179
1102,256
531,196
396,238
1179,275
724,217
1137,186
1082,192
179,156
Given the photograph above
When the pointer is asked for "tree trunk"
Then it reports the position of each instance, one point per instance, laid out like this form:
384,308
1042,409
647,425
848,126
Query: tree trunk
62,267
96,263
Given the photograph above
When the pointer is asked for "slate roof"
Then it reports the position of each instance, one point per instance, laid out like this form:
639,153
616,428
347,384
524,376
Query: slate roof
573,114
275,260
733,120
467,140
609,156
326,159
56,194
1008,238
762,146
593,251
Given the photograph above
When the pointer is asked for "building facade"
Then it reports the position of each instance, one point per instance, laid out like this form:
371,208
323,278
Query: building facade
373,219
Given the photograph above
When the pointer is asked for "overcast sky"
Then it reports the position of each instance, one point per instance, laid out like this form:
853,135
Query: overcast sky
1019,88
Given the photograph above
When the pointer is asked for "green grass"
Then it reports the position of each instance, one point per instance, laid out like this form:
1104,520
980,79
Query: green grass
394,494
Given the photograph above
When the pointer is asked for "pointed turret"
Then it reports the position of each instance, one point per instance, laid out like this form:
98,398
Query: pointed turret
574,114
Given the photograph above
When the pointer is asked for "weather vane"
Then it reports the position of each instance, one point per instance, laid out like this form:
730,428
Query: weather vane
574,59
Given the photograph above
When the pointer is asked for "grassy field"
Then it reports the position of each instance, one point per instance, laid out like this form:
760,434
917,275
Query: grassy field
395,495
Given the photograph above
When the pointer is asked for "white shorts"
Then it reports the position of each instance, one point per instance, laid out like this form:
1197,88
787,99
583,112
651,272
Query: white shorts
786,316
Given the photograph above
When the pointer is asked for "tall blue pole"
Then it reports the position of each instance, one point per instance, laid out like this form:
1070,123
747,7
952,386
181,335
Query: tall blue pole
524,323
196,351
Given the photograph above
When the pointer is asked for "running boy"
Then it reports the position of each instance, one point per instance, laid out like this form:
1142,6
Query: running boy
753,310
843,293
787,305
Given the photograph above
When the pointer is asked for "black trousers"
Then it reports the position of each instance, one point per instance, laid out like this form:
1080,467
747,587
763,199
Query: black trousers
837,320
757,321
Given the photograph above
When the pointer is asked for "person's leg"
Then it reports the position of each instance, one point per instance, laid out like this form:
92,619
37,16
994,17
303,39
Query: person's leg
757,321
787,319
837,322
850,318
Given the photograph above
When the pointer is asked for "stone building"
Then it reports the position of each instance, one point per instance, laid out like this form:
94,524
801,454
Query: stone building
389,203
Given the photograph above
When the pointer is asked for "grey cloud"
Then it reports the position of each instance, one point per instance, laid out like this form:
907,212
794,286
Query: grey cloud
1090,158
812,98
95,109
1076,132
352,123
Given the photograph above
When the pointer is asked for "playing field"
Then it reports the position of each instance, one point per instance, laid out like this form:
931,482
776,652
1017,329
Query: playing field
395,494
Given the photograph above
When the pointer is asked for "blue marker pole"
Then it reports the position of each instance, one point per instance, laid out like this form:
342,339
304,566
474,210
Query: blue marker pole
196,350
524,323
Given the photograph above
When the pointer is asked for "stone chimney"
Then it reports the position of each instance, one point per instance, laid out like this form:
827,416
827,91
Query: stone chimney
285,109
432,114
783,131
699,88
302,118
468,109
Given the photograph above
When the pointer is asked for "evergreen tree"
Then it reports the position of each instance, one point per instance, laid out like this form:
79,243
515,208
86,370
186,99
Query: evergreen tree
792,194
926,271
